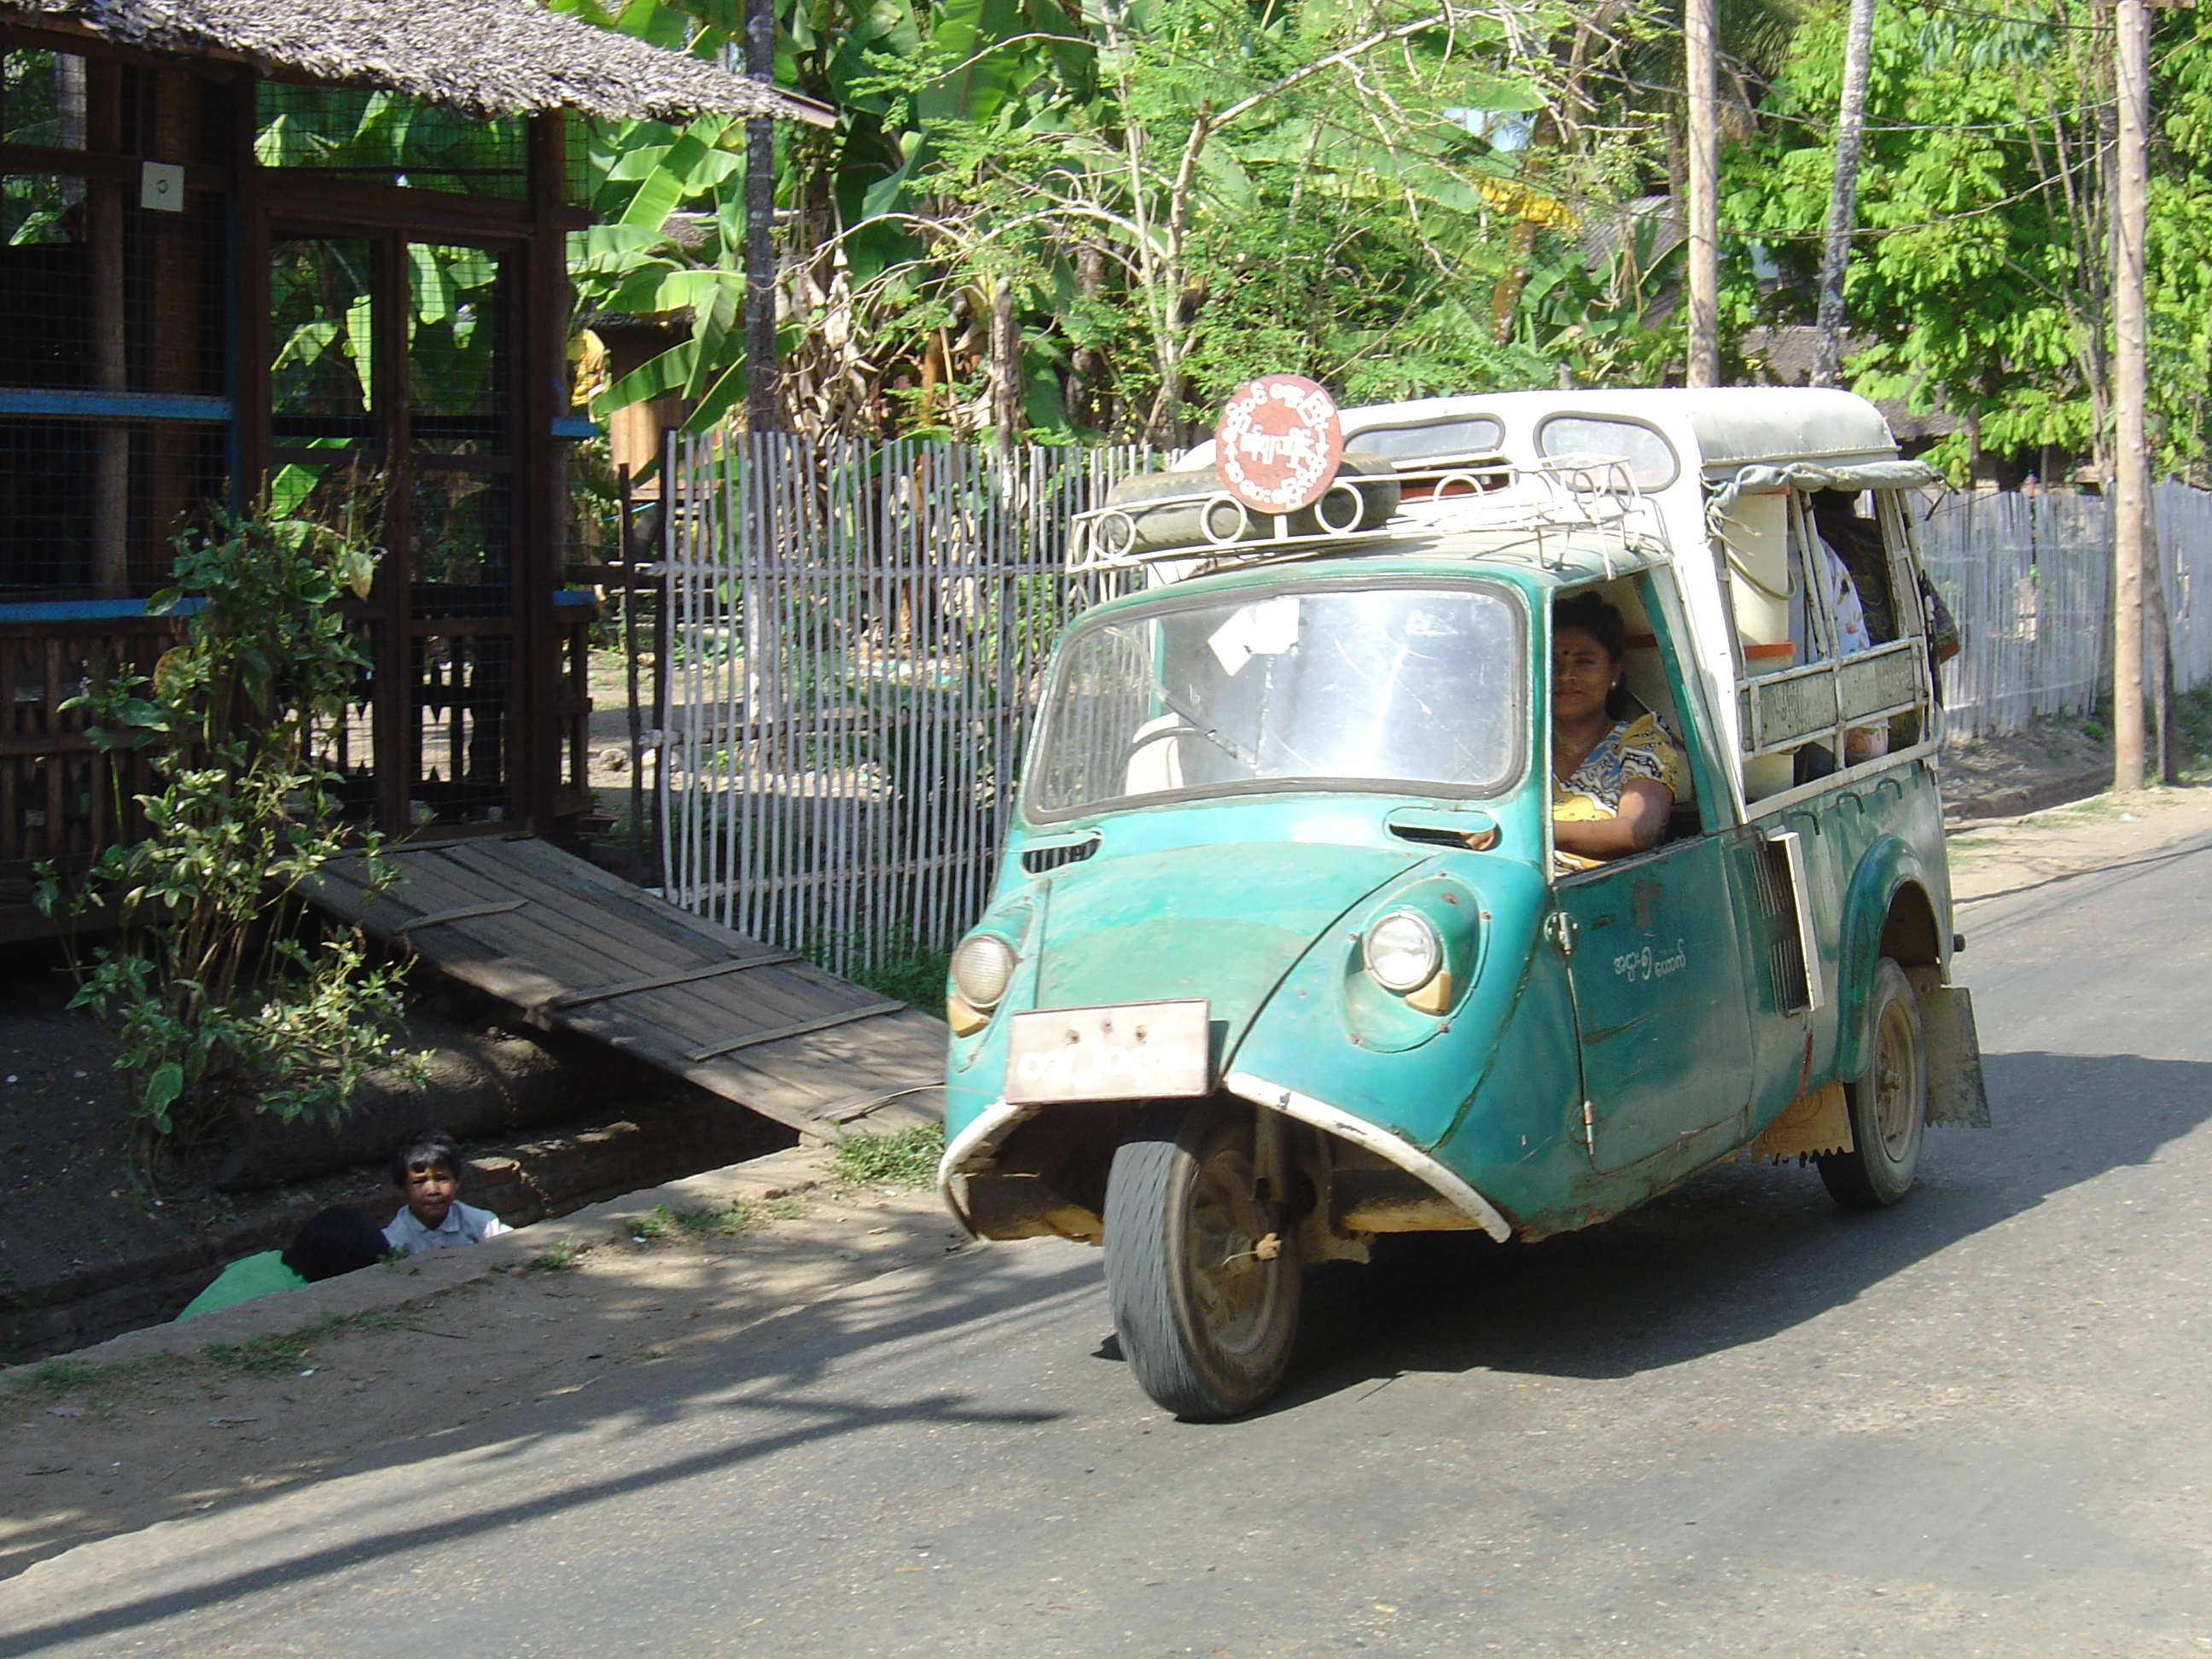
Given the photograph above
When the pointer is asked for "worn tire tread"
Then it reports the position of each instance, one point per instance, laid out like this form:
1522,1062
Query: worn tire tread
1849,1180
1154,1169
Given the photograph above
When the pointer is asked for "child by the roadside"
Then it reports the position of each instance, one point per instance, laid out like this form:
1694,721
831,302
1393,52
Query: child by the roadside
335,1241
426,1168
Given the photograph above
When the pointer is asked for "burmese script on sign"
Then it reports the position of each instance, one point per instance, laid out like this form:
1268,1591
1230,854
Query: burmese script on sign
1136,1051
1279,443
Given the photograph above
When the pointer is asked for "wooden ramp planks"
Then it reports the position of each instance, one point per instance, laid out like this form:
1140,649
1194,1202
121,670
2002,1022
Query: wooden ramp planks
571,947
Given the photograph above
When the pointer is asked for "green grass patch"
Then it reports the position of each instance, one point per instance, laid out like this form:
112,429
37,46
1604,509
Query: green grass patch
94,1386
270,1352
558,1258
97,1386
903,1158
745,1215
913,974
2095,809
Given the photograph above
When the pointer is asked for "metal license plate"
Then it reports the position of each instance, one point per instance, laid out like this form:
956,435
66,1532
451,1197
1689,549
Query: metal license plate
1138,1051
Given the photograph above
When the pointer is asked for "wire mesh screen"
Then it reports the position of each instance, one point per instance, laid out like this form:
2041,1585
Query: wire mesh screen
857,637
97,293
88,508
385,137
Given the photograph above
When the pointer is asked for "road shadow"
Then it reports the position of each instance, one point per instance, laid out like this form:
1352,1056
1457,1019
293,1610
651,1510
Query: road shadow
1738,1255
788,1368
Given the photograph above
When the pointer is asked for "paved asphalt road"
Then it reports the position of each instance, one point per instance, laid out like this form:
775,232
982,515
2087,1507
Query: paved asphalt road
1740,1422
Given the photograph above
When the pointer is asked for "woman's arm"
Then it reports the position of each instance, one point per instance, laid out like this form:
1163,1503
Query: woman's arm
1636,825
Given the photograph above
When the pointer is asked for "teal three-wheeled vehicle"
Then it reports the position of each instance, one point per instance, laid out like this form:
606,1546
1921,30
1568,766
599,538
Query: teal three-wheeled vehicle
1286,953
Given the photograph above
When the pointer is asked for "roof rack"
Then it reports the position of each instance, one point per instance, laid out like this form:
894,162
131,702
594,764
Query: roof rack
1580,495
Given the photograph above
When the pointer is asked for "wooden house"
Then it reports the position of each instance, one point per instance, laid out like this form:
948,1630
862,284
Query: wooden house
272,245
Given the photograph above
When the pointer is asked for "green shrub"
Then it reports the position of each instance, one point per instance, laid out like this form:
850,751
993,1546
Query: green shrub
225,994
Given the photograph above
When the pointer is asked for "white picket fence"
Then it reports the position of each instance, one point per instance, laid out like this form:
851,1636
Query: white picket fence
855,635
2029,579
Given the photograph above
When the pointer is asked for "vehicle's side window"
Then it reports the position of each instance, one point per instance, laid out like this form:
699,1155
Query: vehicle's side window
1657,686
1857,688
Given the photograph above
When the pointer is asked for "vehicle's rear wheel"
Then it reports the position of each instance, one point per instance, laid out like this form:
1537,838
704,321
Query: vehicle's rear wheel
1202,1264
1888,1104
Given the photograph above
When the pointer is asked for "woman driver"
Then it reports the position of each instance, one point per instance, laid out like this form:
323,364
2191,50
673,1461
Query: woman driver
1614,780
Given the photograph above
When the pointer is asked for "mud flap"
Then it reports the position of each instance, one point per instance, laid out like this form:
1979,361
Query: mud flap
1956,1098
1811,1125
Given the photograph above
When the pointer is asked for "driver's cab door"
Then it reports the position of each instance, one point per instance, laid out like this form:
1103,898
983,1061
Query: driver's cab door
1652,941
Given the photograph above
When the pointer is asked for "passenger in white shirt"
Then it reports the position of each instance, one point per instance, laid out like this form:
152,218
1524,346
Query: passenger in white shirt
426,1168
1861,742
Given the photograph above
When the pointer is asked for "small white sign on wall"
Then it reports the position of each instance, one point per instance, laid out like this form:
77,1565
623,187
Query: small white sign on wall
161,187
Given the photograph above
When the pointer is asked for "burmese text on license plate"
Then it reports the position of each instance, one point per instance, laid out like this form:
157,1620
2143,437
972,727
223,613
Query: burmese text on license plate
1138,1051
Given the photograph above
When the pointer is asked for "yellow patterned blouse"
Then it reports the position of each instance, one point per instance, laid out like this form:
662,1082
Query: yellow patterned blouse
1638,748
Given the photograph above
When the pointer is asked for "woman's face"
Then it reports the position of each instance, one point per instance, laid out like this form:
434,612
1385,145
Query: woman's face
1581,674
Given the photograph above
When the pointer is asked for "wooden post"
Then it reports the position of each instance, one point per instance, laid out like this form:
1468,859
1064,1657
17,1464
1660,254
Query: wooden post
760,228
398,730
2130,462
111,366
1702,358
1843,194
534,746
253,354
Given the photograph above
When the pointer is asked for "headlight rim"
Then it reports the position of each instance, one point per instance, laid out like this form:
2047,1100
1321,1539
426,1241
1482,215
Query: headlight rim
1012,959
1435,952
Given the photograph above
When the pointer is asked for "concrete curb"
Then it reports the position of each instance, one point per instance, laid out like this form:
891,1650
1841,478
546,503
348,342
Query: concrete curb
422,1278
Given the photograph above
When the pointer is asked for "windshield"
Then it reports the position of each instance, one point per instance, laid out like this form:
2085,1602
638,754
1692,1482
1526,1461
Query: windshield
1418,688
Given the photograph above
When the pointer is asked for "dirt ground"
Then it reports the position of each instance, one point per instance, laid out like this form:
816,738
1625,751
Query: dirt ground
87,1451
68,1197
2088,835
2050,753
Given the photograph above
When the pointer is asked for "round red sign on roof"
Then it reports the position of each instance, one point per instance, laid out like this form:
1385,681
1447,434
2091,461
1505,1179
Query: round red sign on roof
1279,443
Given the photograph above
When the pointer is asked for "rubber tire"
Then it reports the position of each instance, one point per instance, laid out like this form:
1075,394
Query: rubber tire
1879,1169
1183,1174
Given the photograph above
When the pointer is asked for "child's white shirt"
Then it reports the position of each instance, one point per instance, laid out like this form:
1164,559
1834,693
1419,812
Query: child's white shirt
465,1224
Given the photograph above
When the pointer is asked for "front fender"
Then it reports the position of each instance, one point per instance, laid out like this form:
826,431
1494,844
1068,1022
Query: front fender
1311,1039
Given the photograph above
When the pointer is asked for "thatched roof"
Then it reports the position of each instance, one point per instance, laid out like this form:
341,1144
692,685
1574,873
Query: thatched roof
488,57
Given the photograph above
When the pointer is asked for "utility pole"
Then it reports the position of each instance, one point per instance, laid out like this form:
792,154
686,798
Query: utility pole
1843,194
760,226
2130,460
1702,358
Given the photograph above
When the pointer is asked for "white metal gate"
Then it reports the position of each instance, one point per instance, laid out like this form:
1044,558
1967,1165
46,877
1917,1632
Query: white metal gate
855,634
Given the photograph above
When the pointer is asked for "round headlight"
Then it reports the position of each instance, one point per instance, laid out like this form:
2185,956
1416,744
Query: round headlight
981,970
1402,952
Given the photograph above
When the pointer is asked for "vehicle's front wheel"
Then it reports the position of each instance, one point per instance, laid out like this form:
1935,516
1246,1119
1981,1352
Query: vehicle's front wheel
1201,1263
1889,1103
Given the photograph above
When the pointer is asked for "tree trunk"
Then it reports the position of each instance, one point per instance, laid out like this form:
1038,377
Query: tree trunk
1843,194
760,228
1003,344
1086,364
1702,358
2130,462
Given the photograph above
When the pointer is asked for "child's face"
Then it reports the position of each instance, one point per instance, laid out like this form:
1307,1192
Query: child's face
429,1191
